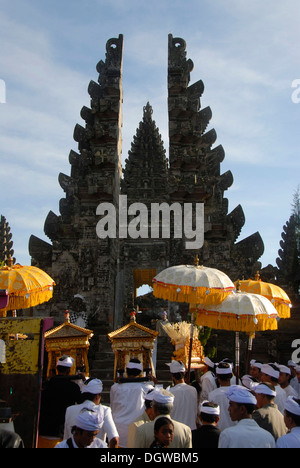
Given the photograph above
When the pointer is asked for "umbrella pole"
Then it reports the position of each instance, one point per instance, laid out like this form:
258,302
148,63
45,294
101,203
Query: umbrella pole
250,344
237,357
192,310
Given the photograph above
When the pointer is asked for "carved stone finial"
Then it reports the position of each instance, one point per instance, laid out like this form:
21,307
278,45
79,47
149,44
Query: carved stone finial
148,111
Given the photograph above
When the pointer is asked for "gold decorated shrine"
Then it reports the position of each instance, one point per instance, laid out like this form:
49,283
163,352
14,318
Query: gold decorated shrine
133,341
71,340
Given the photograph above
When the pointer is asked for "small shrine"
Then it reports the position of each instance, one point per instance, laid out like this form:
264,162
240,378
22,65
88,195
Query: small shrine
133,341
68,339
179,334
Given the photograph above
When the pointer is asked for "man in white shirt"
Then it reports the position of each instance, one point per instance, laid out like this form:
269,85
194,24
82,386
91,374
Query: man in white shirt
292,421
185,405
127,399
285,376
294,381
247,433
219,395
91,392
85,431
162,406
207,380
270,373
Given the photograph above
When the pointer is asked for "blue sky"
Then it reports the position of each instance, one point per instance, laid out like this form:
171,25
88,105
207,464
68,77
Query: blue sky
246,53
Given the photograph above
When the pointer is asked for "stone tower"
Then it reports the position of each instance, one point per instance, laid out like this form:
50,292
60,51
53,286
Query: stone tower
107,271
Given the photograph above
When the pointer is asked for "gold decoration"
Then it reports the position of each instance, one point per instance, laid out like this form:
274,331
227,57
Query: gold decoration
133,341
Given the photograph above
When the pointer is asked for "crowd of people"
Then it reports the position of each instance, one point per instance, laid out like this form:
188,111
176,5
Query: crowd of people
259,410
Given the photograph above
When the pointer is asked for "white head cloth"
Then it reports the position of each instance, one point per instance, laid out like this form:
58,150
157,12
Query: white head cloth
224,370
255,363
163,396
292,406
263,389
65,362
89,420
268,370
93,386
135,365
297,368
208,362
149,396
285,369
240,394
208,409
248,381
176,366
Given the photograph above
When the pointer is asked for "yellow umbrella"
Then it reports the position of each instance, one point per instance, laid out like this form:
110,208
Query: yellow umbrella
27,286
239,312
193,284
274,293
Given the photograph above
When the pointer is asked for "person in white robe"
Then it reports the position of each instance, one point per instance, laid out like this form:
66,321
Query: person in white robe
162,406
207,380
127,399
285,377
91,392
185,407
85,431
294,381
292,421
270,373
219,395
246,433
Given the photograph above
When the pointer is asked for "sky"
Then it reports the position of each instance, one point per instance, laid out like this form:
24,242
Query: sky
246,53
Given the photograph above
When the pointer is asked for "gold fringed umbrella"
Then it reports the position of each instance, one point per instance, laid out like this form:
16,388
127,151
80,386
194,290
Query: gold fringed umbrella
193,284
27,286
274,293
239,312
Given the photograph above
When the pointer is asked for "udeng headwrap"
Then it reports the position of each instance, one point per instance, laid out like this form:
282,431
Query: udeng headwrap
209,362
263,389
89,420
93,386
240,394
224,370
269,370
65,361
176,367
285,369
215,411
292,406
255,363
134,365
163,396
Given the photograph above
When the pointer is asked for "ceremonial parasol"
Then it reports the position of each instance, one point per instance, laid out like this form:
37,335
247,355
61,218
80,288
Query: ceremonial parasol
27,286
274,293
193,284
239,312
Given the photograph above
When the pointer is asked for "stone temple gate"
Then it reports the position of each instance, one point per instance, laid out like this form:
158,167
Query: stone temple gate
107,271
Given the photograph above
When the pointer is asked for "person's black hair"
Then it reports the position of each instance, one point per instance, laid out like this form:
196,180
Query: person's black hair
209,418
178,375
224,377
162,422
133,372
